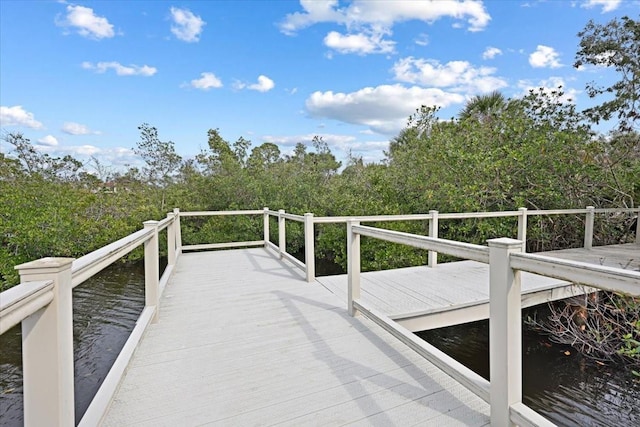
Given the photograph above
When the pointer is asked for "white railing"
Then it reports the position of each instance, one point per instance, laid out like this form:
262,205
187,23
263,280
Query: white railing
433,217
42,304
309,240
506,259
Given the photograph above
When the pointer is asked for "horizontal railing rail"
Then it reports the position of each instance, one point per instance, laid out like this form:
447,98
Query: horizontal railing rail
449,247
222,245
92,263
21,302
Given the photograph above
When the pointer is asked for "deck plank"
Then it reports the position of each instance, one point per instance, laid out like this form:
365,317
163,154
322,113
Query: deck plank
243,340
404,291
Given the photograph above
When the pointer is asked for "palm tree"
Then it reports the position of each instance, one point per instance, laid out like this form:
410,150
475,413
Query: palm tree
483,108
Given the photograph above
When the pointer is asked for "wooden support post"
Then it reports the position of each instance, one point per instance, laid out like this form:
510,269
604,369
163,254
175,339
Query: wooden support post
588,227
282,234
433,232
47,348
522,228
265,222
171,239
178,229
638,228
505,331
353,266
309,247
151,270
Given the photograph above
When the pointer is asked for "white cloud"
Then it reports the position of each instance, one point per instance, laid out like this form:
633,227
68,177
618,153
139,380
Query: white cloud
549,85
121,70
491,52
17,116
186,26
545,56
49,141
361,43
292,140
86,23
384,14
264,84
117,157
340,145
456,75
607,5
422,40
73,128
206,82
384,109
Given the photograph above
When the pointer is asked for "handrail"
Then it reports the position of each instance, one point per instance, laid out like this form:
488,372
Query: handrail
88,265
222,213
450,247
599,276
21,301
370,218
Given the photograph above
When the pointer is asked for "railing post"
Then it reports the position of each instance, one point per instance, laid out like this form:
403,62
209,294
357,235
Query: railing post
522,228
178,229
171,239
282,234
433,232
309,247
47,348
588,227
151,267
265,222
505,331
638,228
353,266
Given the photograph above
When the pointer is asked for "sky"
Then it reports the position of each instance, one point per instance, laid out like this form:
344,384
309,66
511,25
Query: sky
80,77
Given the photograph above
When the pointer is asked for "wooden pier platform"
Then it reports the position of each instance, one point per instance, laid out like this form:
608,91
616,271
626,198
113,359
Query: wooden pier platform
421,298
243,340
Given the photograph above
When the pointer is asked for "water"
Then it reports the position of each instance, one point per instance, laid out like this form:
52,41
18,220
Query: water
105,309
569,390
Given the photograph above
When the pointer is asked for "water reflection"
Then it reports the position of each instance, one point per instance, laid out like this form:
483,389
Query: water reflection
570,390
105,309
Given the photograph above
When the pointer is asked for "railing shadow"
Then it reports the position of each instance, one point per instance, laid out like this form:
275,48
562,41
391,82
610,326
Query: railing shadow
357,373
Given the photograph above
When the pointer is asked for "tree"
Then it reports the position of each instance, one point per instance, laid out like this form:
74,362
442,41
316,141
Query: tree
161,157
614,44
483,107
41,165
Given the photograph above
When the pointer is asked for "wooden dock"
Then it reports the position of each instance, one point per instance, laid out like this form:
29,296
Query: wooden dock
421,298
243,340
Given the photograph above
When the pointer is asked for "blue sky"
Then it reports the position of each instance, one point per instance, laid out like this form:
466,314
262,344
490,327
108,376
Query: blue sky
79,78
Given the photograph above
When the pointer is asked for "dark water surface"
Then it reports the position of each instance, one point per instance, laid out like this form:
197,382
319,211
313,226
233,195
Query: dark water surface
569,390
105,310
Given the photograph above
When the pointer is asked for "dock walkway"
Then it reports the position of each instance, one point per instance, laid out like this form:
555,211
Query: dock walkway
243,340
421,298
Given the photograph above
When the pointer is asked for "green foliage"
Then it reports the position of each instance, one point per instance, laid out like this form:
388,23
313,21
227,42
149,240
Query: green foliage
614,44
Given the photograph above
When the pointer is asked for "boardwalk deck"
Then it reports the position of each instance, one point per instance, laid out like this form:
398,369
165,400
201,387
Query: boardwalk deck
422,298
243,340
